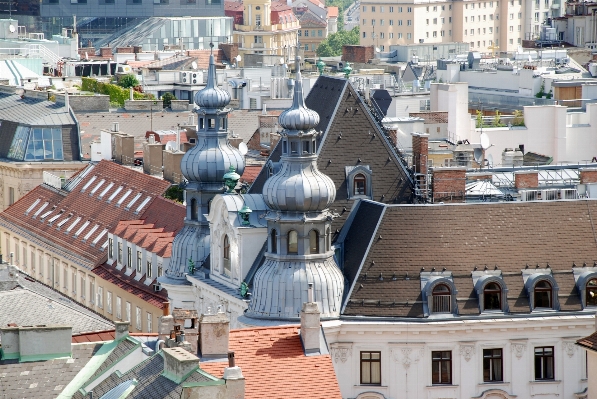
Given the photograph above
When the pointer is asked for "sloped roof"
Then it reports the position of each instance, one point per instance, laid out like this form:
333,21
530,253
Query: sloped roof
332,12
310,19
386,248
75,223
589,342
202,57
33,111
274,365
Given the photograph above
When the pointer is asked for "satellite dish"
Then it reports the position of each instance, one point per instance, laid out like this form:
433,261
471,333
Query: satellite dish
242,147
281,60
238,58
485,141
478,154
490,160
12,28
377,50
194,65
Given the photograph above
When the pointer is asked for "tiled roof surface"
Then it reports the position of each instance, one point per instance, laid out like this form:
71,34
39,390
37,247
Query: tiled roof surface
274,365
122,348
131,285
310,19
589,342
250,173
138,64
244,123
134,123
151,384
57,225
233,5
332,12
33,303
172,63
202,57
431,116
280,6
166,214
460,237
33,111
45,379
100,336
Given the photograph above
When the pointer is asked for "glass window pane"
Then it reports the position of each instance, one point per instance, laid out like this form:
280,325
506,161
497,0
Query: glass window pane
38,149
497,370
48,149
47,134
292,242
375,356
56,134
365,373
58,154
37,134
376,372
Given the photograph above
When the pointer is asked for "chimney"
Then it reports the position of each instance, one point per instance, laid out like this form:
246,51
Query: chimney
166,308
214,332
310,324
420,143
165,323
235,382
178,364
448,184
588,175
115,127
36,343
122,329
526,179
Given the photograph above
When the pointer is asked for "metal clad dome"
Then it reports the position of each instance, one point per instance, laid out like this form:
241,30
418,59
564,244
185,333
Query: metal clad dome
210,159
298,116
212,96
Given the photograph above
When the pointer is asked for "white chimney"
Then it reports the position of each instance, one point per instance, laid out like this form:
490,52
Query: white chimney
36,343
122,329
115,127
310,324
214,331
235,381
178,364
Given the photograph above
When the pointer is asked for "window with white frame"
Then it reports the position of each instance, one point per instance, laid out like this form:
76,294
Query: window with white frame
109,302
138,319
128,312
119,308
149,322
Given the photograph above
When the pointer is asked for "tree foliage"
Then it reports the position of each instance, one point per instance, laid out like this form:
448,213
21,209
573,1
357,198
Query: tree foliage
332,45
167,99
342,5
117,94
127,81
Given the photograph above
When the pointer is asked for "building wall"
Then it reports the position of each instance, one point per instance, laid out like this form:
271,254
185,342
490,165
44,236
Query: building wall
310,37
406,356
592,365
480,23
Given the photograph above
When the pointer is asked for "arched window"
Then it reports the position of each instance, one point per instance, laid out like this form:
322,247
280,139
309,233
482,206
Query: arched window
274,240
360,184
543,295
194,209
292,242
442,299
592,292
492,297
226,255
314,242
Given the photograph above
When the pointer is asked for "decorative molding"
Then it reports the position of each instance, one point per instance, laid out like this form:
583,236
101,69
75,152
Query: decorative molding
570,348
518,348
403,355
341,351
467,351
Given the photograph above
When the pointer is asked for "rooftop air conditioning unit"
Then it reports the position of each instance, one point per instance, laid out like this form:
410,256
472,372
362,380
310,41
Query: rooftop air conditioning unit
549,195
184,77
528,195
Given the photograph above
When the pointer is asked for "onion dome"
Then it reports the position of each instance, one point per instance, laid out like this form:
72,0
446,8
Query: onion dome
212,96
298,116
210,159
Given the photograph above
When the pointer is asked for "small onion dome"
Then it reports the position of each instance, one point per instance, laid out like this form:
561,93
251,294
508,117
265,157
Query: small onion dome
298,117
212,96
210,159
245,212
298,187
230,179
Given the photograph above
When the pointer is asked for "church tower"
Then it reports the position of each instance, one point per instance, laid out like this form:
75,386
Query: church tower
204,167
299,226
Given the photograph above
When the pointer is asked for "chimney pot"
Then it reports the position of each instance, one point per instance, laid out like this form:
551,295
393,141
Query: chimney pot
166,308
310,293
231,361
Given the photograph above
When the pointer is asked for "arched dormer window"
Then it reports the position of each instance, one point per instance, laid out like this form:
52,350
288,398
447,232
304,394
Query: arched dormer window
492,297
314,242
591,292
442,299
359,184
194,209
292,242
274,240
226,269
543,295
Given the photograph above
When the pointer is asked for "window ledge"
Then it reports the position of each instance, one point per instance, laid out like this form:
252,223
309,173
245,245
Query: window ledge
442,386
493,383
545,381
371,385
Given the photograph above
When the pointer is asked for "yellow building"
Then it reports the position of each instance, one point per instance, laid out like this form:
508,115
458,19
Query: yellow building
264,27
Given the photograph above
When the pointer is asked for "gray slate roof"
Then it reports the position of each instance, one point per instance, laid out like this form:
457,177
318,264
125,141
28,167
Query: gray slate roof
42,380
33,111
33,303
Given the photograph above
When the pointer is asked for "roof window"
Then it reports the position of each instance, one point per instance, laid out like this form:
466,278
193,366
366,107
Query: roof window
99,237
53,218
145,201
45,215
73,224
82,228
90,233
32,206
120,201
89,183
98,186
133,201
115,193
41,208
63,221
106,190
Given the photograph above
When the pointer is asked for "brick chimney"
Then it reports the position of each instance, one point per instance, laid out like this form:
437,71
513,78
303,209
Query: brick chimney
526,179
122,329
448,184
235,382
165,322
588,175
178,364
214,333
105,52
310,324
420,143
36,343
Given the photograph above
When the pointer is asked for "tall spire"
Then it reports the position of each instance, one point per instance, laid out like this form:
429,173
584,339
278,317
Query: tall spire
298,116
212,96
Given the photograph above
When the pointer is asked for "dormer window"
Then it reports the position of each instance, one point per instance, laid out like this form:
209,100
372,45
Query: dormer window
292,242
314,242
274,240
226,270
359,184
359,181
543,295
492,297
442,299
592,292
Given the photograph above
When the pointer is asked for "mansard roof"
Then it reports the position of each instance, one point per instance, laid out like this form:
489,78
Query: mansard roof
386,248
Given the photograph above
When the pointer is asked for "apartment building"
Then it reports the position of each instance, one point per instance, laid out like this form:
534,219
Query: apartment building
486,25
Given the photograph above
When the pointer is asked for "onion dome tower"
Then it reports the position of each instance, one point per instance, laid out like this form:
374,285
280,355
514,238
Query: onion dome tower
299,225
203,166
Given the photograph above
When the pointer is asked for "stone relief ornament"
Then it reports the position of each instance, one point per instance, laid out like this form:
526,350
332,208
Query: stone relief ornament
518,349
570,348
467,351
341,353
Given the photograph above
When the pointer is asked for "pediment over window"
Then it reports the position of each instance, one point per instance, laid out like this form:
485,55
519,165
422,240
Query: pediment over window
370,395
494,394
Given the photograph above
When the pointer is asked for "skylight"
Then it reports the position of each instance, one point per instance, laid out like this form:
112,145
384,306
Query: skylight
55,216
106,190
133,201
145,201
99,237
82,228
98,186
120,201
93,229
32,206
73,224
89,183
47,213
41,208
115,193
62,222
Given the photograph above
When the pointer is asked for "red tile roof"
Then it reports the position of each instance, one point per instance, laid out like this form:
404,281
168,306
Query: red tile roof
589,342
166,214
250,173
332,12
203,57
101,336
131,285
74,223
274,365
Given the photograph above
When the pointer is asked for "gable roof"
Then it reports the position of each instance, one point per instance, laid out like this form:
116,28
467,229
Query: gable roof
75,222
589,342
310,19
274,365
399,241
33,111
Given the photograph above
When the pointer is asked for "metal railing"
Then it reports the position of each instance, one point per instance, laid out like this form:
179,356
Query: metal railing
442,304
43,52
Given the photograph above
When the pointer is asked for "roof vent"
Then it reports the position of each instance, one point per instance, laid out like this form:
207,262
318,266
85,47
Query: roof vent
115,127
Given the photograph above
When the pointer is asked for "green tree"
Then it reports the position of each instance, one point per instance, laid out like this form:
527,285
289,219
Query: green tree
167,99
332,45
128,81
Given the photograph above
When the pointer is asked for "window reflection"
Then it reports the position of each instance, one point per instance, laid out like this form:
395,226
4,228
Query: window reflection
36,144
